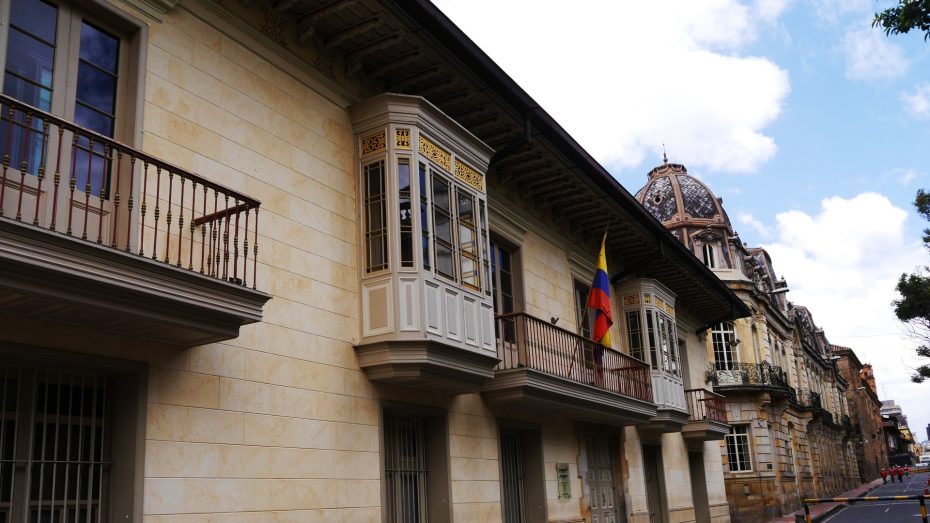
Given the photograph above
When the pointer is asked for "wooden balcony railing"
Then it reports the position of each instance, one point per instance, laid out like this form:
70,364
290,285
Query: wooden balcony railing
67,179
706,405
526,341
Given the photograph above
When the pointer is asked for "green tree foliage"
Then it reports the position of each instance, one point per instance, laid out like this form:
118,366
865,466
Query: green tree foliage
914,306
907,15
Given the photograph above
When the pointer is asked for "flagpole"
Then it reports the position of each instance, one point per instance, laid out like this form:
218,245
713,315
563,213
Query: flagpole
584,313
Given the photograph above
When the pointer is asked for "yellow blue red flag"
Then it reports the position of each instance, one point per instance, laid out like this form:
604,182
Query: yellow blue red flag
599,299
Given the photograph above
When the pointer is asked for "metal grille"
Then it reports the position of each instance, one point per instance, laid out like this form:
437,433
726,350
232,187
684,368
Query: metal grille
54,463
405,468
512,476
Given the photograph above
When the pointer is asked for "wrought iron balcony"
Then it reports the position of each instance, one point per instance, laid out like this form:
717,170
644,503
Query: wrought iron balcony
750,375
708,415
103,236
554,371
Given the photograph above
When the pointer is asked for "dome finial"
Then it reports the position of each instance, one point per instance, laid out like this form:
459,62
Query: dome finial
664,157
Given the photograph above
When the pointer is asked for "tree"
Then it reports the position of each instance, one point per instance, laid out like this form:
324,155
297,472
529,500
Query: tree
907,15
914,306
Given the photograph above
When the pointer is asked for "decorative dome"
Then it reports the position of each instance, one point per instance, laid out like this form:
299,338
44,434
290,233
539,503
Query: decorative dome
675,198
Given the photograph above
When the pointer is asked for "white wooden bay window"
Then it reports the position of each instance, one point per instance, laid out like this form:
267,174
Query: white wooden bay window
650,332
421,175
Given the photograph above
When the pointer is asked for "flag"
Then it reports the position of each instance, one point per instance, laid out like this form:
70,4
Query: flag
599,299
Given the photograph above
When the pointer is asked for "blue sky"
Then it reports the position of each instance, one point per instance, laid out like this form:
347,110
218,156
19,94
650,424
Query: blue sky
810,124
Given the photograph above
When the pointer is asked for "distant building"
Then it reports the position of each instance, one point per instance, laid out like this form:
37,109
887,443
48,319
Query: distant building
864,412
902,449
786,402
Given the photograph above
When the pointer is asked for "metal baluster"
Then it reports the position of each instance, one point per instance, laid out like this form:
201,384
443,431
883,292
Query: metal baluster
236,243
103,188
145,185
226,237
59,383
210,257
255,253
115,218
42,456
203,230
190,261
72,182
245,250
168,216
23,166
90,175
103,435
180,222
129,201
42,161
6,155
56,179
157,210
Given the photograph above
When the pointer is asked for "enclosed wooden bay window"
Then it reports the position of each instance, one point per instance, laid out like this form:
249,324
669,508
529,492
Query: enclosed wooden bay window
648,314
421,176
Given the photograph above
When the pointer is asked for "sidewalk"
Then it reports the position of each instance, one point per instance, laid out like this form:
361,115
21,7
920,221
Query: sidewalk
822,509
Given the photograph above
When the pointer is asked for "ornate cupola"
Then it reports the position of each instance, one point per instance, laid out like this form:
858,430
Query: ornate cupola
689,209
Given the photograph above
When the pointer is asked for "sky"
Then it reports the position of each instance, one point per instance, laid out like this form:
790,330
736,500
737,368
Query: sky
810,124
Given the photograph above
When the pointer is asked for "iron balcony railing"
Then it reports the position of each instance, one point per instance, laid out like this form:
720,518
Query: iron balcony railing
706,405
527,341
809,400
750,374
68,179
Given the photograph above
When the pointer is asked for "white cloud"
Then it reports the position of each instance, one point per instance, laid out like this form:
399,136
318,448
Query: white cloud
871,56
843,264
918,101
907,176
636,75
750,221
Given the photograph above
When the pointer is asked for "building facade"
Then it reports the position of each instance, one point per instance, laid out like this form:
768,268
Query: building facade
324,261
786,402
864,413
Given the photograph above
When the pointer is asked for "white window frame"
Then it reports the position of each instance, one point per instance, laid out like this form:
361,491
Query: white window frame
733,440
710,255
723,335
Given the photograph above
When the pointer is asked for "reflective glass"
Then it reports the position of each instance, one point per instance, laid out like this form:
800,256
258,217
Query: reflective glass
99,48
30,58
96,88
35,17
93,120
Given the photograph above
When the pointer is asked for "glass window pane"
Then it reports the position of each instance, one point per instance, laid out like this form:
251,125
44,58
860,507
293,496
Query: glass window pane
95,121
96,88
466,207
443,224
36,17
440,193
97,168
27,93
30,58
444,263
99,48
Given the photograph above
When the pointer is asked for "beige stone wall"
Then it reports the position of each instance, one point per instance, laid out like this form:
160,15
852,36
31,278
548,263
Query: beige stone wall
474,465
279,423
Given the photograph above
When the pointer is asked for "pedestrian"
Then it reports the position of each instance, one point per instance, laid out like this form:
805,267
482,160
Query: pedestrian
884,476
907,470
900,472
892,472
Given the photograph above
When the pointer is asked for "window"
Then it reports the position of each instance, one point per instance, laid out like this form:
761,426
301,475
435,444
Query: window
710,256
513,500
406,212
456,232
584,320
62,61
424,216
724,341
61,458
442,227
376,238
502,285
523,488
651,331
416,474
468,239
738,448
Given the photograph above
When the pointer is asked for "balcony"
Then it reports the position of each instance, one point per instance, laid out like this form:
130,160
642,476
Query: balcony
708,416
550,371
748,377
98,236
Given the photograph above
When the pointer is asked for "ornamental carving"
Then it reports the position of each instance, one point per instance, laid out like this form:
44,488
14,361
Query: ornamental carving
632,299
469,176
647,298
659,303
670,310
373,143
402,139
436,154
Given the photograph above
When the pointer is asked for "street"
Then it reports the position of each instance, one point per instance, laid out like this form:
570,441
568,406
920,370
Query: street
882,511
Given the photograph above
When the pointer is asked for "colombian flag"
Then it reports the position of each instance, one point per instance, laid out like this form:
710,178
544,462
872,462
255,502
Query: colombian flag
599,300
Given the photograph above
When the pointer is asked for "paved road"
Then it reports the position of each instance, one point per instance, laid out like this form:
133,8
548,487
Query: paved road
886,511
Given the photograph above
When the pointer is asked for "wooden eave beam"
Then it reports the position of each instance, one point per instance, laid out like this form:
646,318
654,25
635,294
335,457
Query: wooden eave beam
334,39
